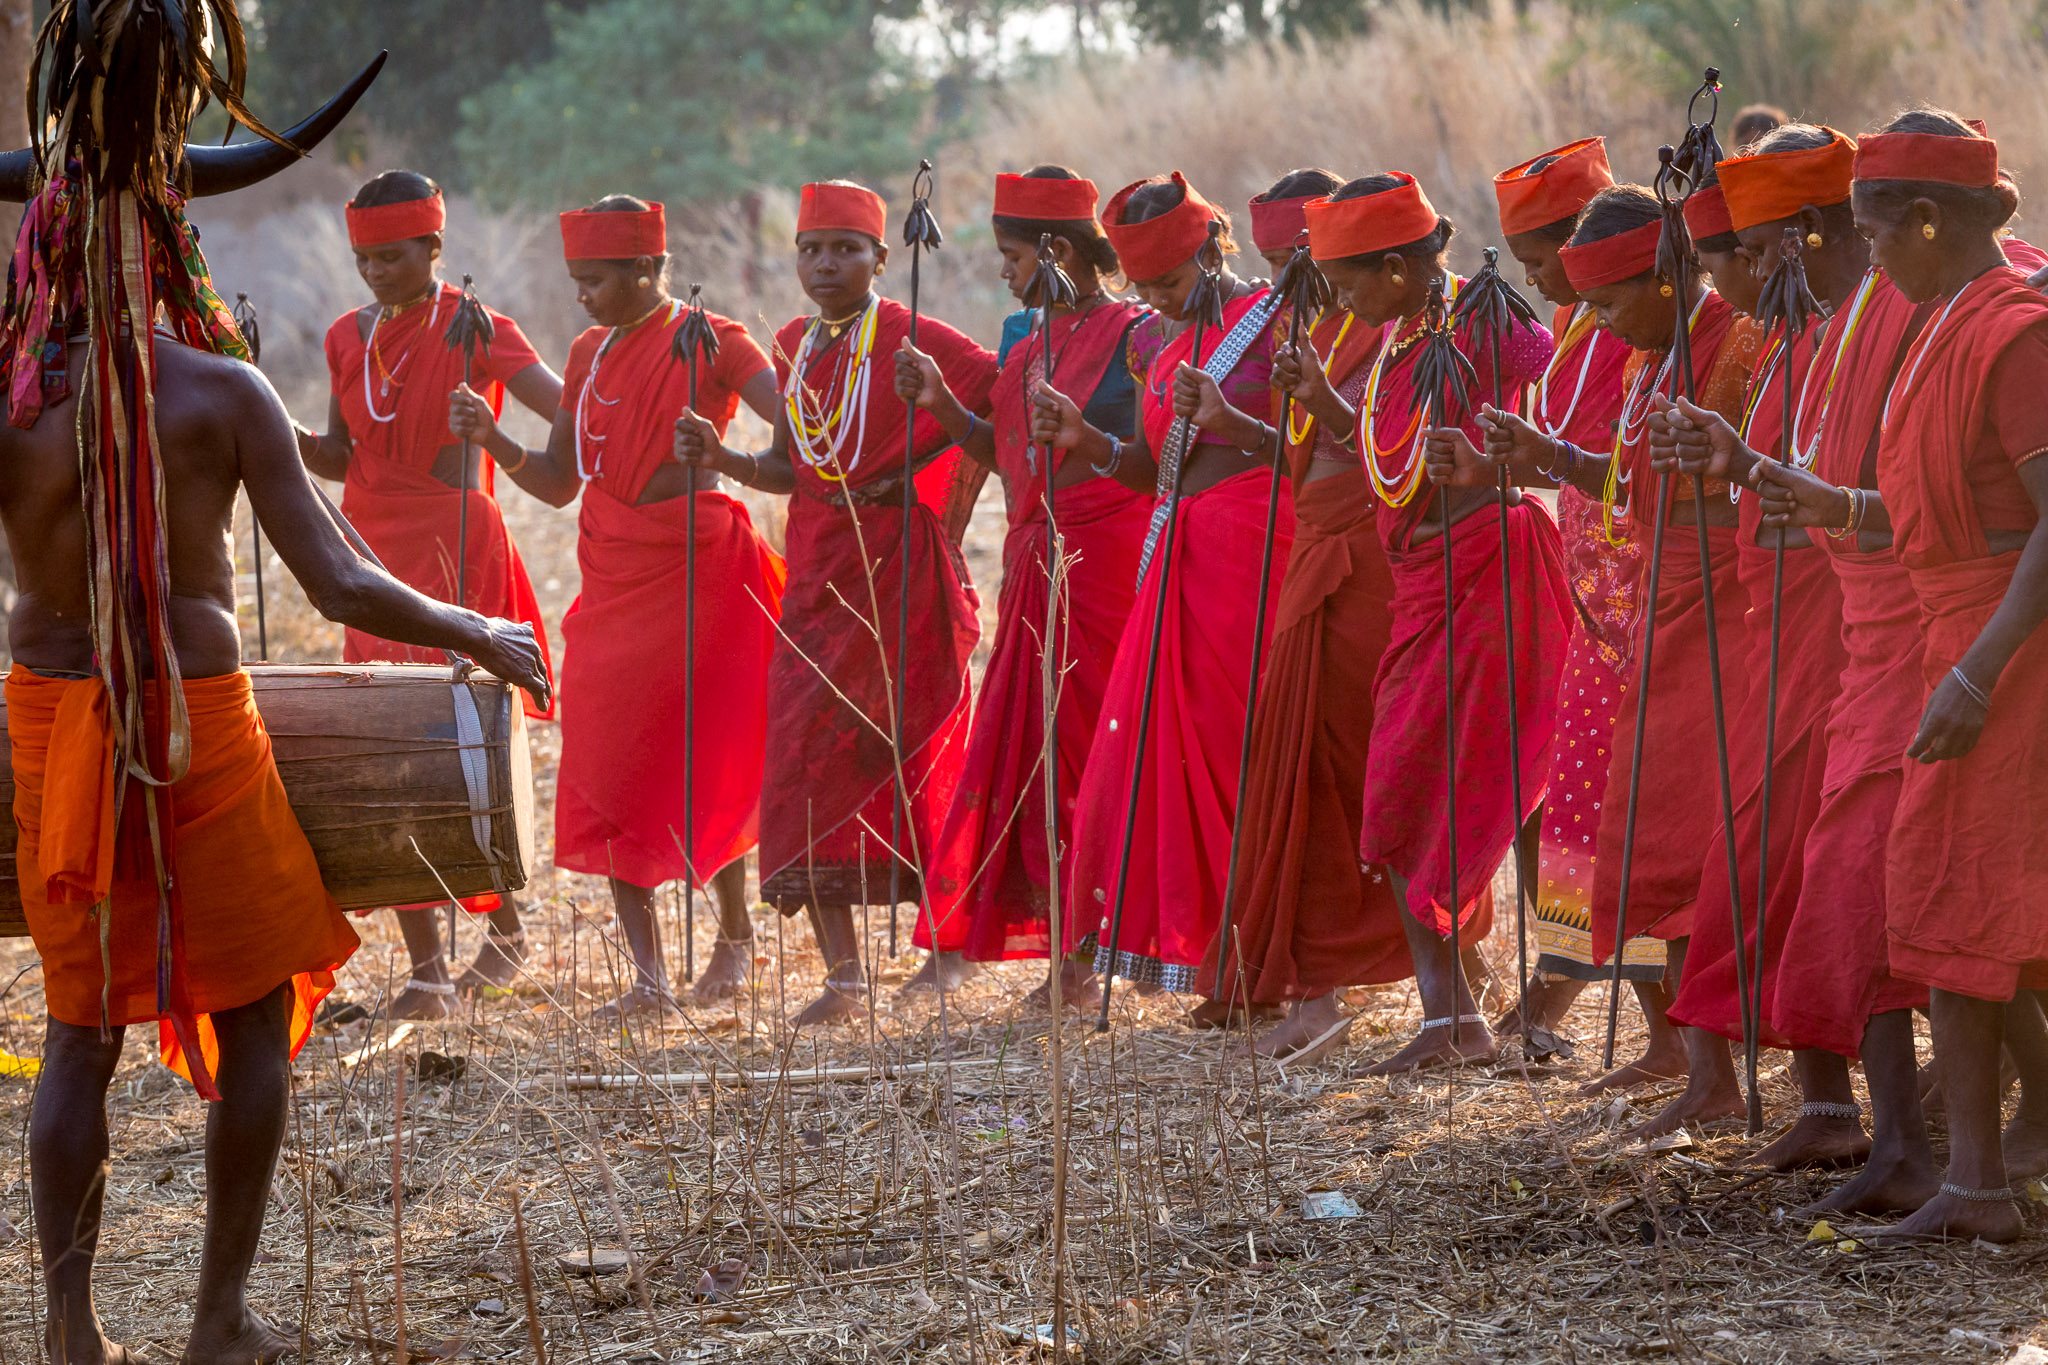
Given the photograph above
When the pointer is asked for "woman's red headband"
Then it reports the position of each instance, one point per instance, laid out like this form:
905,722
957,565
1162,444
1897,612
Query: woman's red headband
1930,157
1277,224
1533,199
1706,213
1045,201
1611,260
1152,248
382,224
1771,185
1338,228
588,235
829,206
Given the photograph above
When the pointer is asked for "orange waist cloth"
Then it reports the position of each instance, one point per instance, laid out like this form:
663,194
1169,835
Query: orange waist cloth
254,912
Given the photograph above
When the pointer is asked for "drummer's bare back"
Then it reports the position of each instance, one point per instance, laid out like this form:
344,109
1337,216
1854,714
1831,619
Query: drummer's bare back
220,425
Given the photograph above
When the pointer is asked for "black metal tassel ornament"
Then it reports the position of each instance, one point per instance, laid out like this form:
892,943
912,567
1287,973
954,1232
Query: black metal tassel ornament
1443,375
1492,308
694,346
920,234
471,330
1306,293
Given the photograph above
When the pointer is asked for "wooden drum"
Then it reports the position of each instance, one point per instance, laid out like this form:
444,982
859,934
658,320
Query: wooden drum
396,774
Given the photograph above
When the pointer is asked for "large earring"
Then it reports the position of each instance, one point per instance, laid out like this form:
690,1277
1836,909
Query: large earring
1813,239
643,282
1399,281
1927,231
1665,290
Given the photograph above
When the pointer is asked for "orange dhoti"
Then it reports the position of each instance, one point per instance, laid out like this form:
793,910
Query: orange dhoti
250,911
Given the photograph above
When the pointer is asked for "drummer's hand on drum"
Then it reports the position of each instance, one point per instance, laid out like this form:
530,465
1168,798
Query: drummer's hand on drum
469,416
509,651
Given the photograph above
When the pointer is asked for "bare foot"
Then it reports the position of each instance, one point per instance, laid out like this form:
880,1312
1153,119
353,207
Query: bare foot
942,972
1891,1185
1080,990
1703,1102
2026,1148
251,1341
839,1000
1816,1141
635,1003
1433,1048
1306,1022
1947,1216
497,964
1544,1005
418,1002
87,1346
725,975
1221,1014
1658,1064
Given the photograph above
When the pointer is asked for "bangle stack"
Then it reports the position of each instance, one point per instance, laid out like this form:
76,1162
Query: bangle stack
1565,462
1977,694
1859,506
1116,459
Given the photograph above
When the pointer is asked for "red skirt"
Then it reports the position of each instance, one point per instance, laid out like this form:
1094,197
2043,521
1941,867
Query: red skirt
1309,918
1187,795
619,803
990,879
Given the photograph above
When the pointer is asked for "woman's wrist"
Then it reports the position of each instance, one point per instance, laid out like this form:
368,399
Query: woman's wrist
741,466
952,415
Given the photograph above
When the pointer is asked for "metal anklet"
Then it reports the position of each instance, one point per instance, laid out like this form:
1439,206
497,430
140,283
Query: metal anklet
1445,1022
2003,1195
1828,1109
430,987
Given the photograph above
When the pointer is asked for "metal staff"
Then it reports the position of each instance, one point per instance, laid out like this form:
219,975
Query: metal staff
1307,292
252,332
1050,288
1442,372
920,234
1204,312
471,328
1494,308
1786,303
694,345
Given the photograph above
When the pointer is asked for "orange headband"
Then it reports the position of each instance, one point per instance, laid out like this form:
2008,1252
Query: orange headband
1533,199
382,224
588,235
1338,228
1157,245
1611,260
1277,224
1767,186
1930,157
1045,201
828,207
1706,213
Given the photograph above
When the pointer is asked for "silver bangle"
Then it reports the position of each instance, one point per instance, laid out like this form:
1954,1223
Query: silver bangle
1828,1109
1116,458
2004,1194
1977,694
1266,435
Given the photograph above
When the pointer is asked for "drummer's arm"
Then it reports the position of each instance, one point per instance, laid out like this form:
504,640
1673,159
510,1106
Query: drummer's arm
342,584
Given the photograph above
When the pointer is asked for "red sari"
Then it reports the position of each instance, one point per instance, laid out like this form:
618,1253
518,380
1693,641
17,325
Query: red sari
1680,796
395,402
990,874
1831,971
1964,871
1407,813
828,802
1187,795
1309,917
1811,659
619,804
1579,400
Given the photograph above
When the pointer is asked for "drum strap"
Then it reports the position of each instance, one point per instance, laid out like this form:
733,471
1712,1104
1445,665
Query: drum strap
476,775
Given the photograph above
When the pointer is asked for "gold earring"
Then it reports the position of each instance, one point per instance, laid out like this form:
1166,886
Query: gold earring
643,281
1813,239
1398,280
1927,231
1665,290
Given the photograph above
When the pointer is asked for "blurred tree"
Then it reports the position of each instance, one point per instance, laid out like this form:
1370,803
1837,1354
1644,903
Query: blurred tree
1783,52
1204,27
698,103
441,52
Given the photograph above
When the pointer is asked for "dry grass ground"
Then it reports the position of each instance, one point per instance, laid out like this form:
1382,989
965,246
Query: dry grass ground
888,1184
